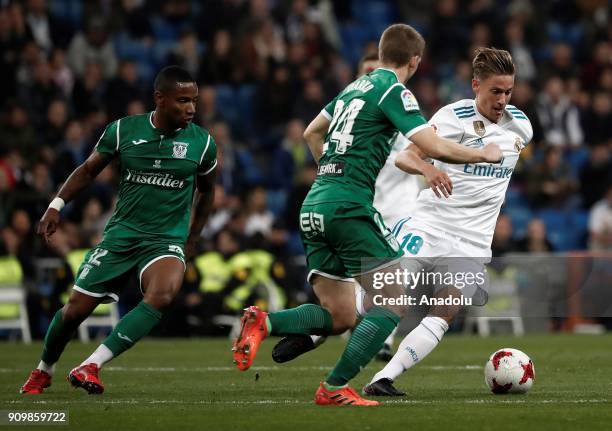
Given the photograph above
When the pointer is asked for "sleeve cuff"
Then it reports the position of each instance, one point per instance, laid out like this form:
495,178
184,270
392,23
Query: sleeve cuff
326,114
209,170
416,129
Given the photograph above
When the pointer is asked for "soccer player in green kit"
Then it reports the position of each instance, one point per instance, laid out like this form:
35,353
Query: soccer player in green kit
351,139
168,165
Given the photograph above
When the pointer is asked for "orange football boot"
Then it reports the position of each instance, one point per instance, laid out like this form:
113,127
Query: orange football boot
252,332
341,397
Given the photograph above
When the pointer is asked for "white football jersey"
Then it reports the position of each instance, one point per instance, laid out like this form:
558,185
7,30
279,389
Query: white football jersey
478,188
396,191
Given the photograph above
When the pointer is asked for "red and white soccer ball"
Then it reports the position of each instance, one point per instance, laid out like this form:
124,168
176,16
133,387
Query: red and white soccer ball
509,371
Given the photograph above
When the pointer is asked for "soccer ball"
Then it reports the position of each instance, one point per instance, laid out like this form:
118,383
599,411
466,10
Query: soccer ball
509,371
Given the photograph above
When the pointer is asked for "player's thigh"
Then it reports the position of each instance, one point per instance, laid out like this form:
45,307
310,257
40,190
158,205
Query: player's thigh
103,273
161,268
338,297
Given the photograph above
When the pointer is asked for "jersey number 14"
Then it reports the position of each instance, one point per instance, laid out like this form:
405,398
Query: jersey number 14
342,124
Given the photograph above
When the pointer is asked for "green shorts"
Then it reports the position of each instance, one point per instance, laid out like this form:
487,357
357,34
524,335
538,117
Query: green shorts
104,273
339,236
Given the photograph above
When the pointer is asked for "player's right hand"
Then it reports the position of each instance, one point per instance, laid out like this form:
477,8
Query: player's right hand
492,153
48,224
439,182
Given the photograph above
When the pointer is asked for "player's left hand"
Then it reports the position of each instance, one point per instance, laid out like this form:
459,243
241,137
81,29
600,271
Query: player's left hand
439,182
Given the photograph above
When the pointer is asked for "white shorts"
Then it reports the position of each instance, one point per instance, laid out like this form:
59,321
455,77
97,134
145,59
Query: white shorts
443,256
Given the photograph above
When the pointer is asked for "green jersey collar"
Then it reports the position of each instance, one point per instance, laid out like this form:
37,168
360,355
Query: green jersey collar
389,70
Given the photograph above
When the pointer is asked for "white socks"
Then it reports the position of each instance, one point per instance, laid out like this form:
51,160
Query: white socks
43,366
415,347
99,357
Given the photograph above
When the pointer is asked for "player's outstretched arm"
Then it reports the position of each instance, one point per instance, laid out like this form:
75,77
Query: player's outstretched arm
410,160
78,180
315,135
202,206
448,151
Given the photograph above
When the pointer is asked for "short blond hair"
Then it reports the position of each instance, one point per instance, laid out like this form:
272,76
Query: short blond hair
492,61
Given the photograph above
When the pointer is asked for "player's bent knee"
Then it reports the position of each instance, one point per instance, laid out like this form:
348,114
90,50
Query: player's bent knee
159,298
343,320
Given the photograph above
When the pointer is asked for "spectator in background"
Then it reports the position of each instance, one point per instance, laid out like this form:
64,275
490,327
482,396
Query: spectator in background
259,219
187,53
30,57
276,98
596,175
551,183
449,37
295,151
122,89
502,237
46,31
93,46
33,191
268,43
600,224
535,241
226,157
218,65
459,86
38,94
310,101
57,118
131,16
89,90
60,72
598,119
207,111
594,68
72,151
523,98
17,132
561,63
12,39
521,54
559,118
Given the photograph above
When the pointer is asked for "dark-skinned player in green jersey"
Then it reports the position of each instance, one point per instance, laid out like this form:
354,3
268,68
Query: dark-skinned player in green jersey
168,168
351,139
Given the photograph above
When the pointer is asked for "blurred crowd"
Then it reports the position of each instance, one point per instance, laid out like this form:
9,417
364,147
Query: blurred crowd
266,68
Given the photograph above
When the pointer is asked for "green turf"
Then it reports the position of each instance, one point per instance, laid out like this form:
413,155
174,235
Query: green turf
185,384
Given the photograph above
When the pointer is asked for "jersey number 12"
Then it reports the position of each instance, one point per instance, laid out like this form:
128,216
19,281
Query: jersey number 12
342,124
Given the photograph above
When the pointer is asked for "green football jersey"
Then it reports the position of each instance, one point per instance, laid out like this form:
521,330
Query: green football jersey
365,118
158,176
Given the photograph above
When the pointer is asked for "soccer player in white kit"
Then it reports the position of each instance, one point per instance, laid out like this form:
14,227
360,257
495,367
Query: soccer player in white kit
461,225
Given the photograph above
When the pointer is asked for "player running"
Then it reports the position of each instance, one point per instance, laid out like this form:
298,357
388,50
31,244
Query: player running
351,139
462,225
163,158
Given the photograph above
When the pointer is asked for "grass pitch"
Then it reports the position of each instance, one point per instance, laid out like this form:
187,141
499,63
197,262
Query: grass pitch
191,384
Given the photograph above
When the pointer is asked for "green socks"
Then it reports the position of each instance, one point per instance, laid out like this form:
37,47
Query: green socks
132,327
307,319
366,340
58,335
